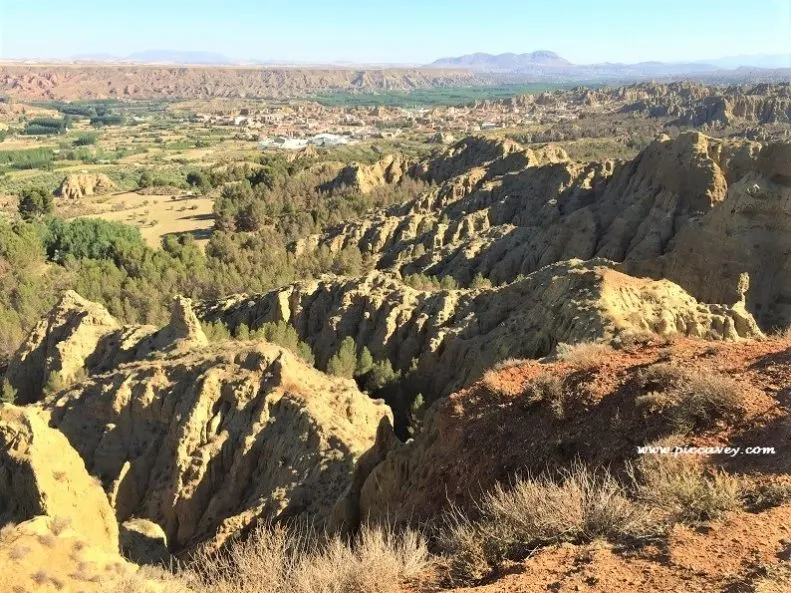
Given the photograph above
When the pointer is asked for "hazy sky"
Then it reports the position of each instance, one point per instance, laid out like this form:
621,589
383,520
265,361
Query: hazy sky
404,31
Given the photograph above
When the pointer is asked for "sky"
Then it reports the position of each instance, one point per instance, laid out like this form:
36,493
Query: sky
397,31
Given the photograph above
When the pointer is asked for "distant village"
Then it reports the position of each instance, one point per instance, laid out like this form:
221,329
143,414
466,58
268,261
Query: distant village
295,126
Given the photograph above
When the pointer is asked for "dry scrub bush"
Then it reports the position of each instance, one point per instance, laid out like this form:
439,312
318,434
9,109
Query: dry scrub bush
495,385
685,489
536,512
690,399
148,579
775,578
510,363
548,389
763,496
584,355
276,560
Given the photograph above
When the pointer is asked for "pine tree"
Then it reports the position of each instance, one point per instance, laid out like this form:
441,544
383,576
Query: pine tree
344,362
365,363
242,332
54,383
7,392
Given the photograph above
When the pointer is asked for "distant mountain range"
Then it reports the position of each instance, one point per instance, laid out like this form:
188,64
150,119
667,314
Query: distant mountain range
755,61
548,64
161,56
504,62
537,65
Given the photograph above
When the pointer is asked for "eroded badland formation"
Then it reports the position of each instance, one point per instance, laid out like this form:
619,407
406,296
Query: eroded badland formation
516,324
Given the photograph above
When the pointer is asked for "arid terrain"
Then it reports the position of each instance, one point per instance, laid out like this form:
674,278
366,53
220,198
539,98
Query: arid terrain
63,82
522,344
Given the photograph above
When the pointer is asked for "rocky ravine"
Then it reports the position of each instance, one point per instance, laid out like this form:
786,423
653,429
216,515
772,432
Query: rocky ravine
680,103
696,210
451,337
200,439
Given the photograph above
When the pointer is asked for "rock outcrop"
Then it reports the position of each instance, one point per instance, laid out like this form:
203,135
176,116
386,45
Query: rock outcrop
199,439
80,338
59,344
46,554
144,542
449,338
81,185
366,178
501,211
40,474
206,441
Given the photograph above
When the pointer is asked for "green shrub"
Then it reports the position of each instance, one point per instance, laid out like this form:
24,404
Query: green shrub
35,202
365,363
89,238
380,375
44,126
216,331
33,158
282,334
85,140
54,383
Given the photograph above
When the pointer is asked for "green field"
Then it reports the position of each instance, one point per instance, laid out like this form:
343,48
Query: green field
436,96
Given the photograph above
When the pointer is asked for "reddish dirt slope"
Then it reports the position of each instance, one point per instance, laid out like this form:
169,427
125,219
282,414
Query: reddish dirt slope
492,431
489,432
728,556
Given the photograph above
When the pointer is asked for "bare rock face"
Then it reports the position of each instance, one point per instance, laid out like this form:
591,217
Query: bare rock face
60,343
41,474
200,439
696,210
748,232
46,554
80,338
144,542
183,331
451,337
203,442
81,185
366,178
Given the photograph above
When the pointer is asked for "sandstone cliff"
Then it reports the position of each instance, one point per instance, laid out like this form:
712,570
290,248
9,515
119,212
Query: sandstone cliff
37,82
80,338
697,210
81,185
40,474
60,344
451,337
199,439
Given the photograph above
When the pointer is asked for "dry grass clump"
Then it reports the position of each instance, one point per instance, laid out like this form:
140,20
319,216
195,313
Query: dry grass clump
638,339
276,560
547,388
690,399
772,578
494,384
148,579
686,490
762,496
510,363
584,355
536,512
